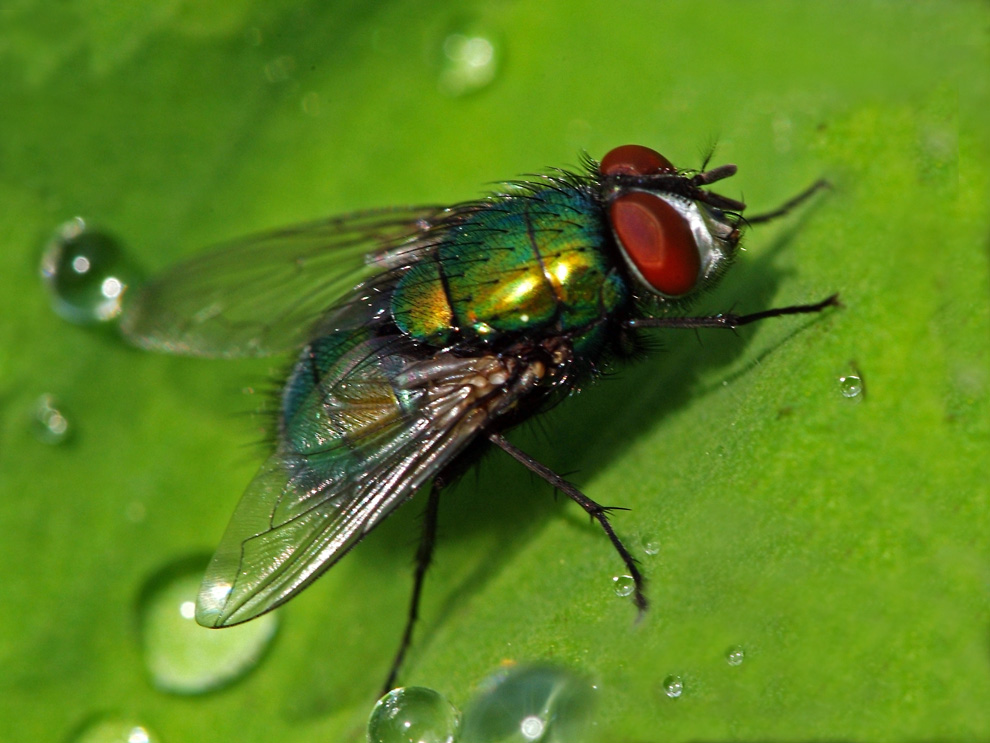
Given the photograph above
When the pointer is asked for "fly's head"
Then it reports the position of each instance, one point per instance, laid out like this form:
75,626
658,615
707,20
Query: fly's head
674,236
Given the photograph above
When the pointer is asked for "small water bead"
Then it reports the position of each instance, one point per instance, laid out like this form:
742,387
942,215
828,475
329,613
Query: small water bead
114,730
522,704
852,385
735,655
673,686
413,714
470,60
86,273
185,658
624,585
650,546
49,422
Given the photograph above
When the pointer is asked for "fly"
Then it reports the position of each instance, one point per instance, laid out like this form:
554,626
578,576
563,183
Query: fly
423,332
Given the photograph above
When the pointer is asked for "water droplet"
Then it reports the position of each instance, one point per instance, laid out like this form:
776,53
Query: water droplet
470,60
529,703
624,585
413,714
735,655
86,273
280,69
183,657
113,730
312,103
49,422
851,385
673,686
650,546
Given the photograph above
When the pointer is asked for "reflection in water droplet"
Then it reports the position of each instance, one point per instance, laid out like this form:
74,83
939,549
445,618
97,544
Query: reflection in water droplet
49,422
114,730
851,385
86,273
413,714
529,703
532,727
470,60
735,655
673,686
624,585
183,657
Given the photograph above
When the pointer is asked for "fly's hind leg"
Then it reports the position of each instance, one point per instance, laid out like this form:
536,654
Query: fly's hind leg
424,556
597,512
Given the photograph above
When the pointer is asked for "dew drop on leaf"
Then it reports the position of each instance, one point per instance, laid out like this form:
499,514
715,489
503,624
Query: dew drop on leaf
109,729
673,686
413,714
735,655
49,423
86,273
522,704
181,656
624,585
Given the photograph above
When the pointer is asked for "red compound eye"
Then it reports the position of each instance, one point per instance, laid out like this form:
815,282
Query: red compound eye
634,159
657,240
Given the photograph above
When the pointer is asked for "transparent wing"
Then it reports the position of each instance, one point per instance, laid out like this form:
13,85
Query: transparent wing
260,295
365,424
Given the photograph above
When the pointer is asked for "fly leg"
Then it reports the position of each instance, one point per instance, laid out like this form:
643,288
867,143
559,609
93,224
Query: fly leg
730,319
424,556
596,511
788,205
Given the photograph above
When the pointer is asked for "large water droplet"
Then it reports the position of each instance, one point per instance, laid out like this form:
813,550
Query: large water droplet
113,730
183,657
413,714
470,60
49,422
529,703
86,273
624,585
673,686
735,655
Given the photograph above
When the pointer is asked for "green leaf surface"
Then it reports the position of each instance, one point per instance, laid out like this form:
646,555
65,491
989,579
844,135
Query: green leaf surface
841,543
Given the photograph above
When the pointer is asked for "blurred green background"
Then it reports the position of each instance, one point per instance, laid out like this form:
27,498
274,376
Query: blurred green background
842,543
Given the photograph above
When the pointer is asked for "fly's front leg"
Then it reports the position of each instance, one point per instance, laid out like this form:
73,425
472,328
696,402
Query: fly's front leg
596,511
787,206
730,319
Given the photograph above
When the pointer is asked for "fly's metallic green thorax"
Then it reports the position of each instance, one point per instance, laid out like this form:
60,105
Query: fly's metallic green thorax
533,263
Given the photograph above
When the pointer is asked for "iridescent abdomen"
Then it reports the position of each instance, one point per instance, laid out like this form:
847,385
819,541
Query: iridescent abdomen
533,263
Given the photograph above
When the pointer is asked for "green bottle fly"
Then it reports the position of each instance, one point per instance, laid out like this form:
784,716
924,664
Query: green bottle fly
423,335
